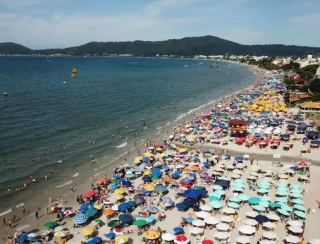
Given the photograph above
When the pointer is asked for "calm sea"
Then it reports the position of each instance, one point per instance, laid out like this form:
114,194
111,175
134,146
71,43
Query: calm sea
136,98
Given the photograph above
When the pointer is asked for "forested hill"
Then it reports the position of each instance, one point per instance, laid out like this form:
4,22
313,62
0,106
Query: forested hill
189,46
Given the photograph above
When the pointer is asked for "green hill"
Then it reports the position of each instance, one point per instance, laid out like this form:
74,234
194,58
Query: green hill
13,48
188,46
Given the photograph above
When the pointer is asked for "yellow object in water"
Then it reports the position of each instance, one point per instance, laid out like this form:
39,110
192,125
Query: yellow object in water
73,76
74,71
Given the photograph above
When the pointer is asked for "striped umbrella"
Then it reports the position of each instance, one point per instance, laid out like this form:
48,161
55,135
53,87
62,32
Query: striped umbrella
80,218
121,239
44,232
60,234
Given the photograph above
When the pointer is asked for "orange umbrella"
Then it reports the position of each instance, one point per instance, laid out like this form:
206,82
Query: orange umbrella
194,167
167,178
187,170
108,211
100,181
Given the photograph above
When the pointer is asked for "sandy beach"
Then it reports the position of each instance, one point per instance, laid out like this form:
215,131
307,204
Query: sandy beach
263,158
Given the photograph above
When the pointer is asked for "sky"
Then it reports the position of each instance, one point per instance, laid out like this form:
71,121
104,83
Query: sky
40,24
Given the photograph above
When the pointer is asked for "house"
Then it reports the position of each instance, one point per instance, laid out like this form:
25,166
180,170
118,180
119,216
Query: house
294,99
277,61
293,75
299,79
305,96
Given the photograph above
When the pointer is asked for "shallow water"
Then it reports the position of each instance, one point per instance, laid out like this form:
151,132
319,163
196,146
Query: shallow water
41,111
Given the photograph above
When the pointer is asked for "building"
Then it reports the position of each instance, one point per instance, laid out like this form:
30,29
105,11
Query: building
293,75
317,75
308,61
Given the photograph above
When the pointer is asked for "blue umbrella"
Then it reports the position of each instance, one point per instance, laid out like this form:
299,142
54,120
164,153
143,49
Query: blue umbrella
32,239
181,205
91,242
147,192
160,188
97,239
166,167
114,186
116,177
124,206
189,201
111,235
141,169
22,239
189,220
178,230
125,218
206,164
238,159
129,175
84,206
262,218
126,183
146,178
165,199
80,218
228,156
156,173
150,219
152,209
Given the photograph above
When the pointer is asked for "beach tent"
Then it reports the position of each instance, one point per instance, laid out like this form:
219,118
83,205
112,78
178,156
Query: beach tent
89,194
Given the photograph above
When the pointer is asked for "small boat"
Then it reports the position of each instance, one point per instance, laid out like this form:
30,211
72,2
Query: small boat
5,94
74,71
64,82
73,76
214,66
48,59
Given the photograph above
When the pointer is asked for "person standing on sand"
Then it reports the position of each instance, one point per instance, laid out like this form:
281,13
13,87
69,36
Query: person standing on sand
37,215
24,211
4,222
71,188
50,200
46,210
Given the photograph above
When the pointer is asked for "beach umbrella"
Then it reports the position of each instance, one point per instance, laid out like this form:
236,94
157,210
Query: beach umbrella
44,232
296,195
124,206
214,198
254,200
295,223
189,201
227,219
295,186
168,203
59,228
150,219
99,221
296,190
205,208
49,224
282,193
189,220
125,218
238,189
269,235
118,197
91,212
160,188
229,210
207,242
167,237
262,218
114,223
295,229
181,206
60,234
198,222
234,199
233,205
243,239
212,220
314,241
273,217
247,229
300,214
269,225
274,205
152,209
222,226
203,214
283,212
119,191
252,214
259,208
132,203
108,211
111,235
264,204
32,235
139,199
216,204
265,198
282,199
299,207
140,222
196,230
121,239
22,239
281,184
298,201
262,190
221,235
292,239
118,231
181,240
114,186
87,231
244,197
251,222
178,230
240,181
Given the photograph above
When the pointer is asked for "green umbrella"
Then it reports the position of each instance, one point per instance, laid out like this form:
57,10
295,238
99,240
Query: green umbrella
254,200
238,189
264,187
282,199
296,195
294,186
286,207
300,214
114,223
274,205
239,185
296,190
264,182
284,212
259,208
216,204
214,194
299,207
264,204
132,203
234,199
265,198
217,187
282,188
49,224
115,180
244,197
282,193
220,192
155,178
213,198
233,205
198,188
281,184
140,222
262,190
136,162
222,178
298,201
98,221
239,181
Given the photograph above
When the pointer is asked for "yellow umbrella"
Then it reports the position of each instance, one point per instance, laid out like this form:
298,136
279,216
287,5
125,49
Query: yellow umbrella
147,172
164,155
152,234
159,149
182,150
148,154
119,191
149,187
87,231
118,197
138,158
98,207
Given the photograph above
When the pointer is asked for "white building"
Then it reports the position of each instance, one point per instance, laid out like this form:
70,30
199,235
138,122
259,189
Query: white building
308,61
318,73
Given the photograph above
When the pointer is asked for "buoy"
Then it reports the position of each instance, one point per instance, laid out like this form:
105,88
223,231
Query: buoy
5,94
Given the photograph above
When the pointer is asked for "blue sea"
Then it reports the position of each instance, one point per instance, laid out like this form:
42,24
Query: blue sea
49,116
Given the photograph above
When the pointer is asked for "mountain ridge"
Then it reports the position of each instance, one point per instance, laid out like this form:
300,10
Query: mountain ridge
187,46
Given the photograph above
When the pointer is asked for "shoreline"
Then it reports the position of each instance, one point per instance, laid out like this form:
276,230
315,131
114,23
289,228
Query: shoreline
130,158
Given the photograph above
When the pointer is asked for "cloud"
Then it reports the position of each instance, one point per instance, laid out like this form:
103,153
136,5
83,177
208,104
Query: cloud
310,19
158,7
242,35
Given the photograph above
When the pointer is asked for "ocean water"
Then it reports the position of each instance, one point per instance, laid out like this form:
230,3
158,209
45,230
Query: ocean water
136,98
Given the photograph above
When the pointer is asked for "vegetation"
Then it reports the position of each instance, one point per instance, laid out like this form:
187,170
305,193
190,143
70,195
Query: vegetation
265,63
189,46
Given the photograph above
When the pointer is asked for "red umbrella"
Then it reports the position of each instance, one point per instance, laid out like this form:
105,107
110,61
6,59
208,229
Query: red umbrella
186,184
159,145
89,194
207,242
181,238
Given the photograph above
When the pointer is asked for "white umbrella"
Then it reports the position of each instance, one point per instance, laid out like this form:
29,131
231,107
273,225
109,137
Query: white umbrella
246,156
266,242
239,166
314,241
252,214
168,237
198,222
292,239
202,214
251,177
222,226
251,222
294,223
206,208
115,207
238,172
247,229
284,181
296,229
254,173
243,239
228,210
273,216
212,220
227,219
283,176
269,235
221,235
235,176
32,235
196,230
269,225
